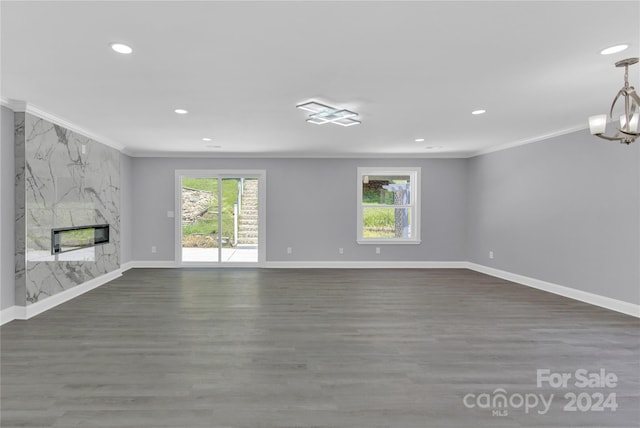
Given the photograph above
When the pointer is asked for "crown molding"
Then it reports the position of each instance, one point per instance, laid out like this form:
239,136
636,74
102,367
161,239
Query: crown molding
293,155
15,105
525,141
22,106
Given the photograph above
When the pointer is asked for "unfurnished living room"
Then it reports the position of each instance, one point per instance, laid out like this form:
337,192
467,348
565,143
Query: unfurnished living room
368,214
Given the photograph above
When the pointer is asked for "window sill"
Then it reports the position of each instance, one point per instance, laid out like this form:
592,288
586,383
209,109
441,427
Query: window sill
389,241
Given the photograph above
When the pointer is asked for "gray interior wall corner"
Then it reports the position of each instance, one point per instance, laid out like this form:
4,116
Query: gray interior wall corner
126,207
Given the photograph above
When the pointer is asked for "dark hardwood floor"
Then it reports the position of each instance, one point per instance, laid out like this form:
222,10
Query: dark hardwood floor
315,348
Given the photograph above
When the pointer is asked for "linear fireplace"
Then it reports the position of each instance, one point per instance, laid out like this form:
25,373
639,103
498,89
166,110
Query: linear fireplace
66,239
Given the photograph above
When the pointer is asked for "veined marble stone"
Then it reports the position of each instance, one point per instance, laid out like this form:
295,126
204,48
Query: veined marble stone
20,230
68,180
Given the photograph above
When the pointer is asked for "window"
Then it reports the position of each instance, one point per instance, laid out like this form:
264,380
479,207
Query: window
388,206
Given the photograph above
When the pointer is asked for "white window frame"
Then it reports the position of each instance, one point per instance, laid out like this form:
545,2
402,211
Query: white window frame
261,175
414,205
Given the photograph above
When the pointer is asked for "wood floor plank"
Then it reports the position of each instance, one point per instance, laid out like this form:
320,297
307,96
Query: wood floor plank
310,348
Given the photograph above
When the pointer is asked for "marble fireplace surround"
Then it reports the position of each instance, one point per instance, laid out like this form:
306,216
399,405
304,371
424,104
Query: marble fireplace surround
63,179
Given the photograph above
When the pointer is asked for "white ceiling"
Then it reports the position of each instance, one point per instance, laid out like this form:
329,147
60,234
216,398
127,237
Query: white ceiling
411,69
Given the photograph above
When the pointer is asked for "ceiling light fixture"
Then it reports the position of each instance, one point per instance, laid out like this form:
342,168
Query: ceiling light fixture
628,131
206,139
121,48
181,111
322,114
477,112
419,140
613,49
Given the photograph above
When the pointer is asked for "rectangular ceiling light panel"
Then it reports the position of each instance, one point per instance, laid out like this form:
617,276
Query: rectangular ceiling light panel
314,107
326,114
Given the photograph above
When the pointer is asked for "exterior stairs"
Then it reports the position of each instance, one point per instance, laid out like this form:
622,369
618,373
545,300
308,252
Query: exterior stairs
248,215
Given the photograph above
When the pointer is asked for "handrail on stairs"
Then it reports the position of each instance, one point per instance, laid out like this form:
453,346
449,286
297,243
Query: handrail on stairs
237,207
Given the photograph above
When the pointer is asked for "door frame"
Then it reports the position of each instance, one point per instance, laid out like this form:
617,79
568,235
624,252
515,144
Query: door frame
260,174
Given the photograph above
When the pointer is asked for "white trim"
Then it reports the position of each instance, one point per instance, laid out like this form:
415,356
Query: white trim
414,206
583,296
259,174
30,311
22,106
218,265
11,313
526,141
153,264
293,155
16,105
365,265
330,264
389,241
126,266
22,313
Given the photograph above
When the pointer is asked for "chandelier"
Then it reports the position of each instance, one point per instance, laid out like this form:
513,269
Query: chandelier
628,131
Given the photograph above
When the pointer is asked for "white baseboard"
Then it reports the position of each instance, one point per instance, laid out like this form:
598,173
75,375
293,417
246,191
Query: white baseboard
126,266
11,313
153,264
310,265
23,313
583,296
364,265
30,311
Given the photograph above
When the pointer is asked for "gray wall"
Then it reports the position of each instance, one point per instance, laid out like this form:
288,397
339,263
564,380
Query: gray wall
126,208
565,210
311,207
7,208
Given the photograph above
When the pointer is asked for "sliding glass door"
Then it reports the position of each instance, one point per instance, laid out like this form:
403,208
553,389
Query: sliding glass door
220,217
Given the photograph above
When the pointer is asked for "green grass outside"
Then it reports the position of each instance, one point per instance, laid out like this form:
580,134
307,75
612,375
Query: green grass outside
208,224
78,238
378,223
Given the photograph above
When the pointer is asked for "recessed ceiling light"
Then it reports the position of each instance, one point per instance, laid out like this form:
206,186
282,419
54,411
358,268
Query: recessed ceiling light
181,111
419,140
476,112
121,48
206,139
613,49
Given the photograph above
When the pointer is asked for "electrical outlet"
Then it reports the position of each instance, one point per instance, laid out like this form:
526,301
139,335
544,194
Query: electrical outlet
340,250
289,250
490,254
171,214
154,249
83,149
377,250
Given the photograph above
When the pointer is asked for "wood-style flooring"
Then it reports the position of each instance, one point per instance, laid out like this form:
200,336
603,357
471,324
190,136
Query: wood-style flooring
313,348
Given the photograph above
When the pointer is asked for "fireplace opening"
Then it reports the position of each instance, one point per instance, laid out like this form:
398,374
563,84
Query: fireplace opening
66,239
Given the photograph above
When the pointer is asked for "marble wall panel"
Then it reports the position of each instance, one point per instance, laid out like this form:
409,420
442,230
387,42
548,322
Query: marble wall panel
69,180
20,228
